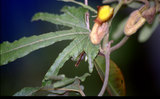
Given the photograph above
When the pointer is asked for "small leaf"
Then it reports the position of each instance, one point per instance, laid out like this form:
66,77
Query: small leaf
116,84
28,91
73,87
51,89
67,81
147,30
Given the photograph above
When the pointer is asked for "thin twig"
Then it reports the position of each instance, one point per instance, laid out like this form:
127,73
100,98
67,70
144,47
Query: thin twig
122,42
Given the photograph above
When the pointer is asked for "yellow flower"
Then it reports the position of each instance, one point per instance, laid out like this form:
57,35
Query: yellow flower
100,28
104,13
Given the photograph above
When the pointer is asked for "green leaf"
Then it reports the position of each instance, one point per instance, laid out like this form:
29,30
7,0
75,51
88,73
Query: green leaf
79,44
116,84
73,87
109,1
82,4
67,81
71,17
52,90
11,51
147,30
28,91
73,49
117,29
135,5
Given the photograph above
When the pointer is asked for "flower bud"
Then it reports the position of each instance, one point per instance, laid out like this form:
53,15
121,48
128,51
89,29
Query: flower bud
149,14
100,28
104,14
134,22
98,32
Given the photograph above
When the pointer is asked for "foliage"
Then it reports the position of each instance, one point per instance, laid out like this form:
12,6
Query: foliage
54,83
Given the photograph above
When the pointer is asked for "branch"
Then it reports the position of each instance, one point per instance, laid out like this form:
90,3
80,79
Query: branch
121,43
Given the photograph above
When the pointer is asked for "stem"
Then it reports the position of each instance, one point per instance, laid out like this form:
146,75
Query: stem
106,49
86,2
87,16
107,57
82,93
121,43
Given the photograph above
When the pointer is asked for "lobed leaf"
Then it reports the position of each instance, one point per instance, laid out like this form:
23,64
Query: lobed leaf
79,44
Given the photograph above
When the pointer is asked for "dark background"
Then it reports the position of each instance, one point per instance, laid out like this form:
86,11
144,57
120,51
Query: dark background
139,62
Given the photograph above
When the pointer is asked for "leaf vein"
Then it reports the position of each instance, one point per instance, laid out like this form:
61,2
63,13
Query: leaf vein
42,41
